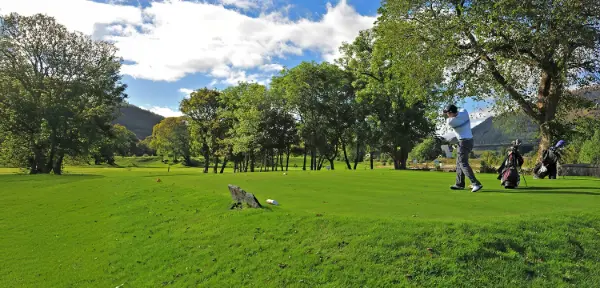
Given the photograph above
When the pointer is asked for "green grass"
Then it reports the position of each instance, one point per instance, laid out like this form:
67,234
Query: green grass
103,227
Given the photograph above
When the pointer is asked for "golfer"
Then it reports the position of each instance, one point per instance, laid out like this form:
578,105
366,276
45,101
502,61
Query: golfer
461,124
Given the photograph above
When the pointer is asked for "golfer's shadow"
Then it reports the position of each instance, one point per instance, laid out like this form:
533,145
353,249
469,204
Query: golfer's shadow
549,190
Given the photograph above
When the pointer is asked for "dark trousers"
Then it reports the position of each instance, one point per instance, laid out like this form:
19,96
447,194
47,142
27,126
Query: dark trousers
462,163
552,171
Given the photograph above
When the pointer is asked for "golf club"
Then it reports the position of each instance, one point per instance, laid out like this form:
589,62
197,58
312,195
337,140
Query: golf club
525,180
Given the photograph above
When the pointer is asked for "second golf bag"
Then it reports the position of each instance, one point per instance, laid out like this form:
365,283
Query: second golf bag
549,164
509,170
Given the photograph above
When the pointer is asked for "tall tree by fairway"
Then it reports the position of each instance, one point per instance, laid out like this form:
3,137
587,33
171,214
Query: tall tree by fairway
527,54
394,102
172,137
246,103
58,90
321,96
208,131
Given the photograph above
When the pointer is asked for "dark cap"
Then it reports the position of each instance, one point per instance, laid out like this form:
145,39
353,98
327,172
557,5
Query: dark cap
451,108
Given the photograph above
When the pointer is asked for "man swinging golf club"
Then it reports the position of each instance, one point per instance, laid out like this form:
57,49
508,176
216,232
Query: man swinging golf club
461,124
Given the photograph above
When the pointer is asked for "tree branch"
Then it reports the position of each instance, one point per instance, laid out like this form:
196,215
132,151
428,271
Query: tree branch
371,75
512,92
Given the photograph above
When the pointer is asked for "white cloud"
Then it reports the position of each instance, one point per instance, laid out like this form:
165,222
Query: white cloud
480,115
163,111
244,4
171,39
186,91
271,67
88,17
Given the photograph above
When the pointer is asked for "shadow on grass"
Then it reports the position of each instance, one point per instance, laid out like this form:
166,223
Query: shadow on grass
579,179
20,177
549,190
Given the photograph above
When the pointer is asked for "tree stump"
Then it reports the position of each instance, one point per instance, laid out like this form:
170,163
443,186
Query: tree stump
240,197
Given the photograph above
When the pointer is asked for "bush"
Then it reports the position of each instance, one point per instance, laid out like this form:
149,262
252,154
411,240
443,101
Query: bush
428,150
383,158
571,153
486,168
590,150
491,158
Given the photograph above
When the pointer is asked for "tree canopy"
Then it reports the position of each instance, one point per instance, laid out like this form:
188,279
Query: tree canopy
58,90
524,54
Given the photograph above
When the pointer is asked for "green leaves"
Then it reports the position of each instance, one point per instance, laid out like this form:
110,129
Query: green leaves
590,151
171,137
515,52
59,89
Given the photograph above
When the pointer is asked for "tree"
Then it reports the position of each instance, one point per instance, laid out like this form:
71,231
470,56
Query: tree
118,141
277,135
396,112
428,150
590,151
208,126
172,137
58,90
143,147
125,140
246,103
321,95
520,53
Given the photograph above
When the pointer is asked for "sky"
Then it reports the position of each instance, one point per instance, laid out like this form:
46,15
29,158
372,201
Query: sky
172,47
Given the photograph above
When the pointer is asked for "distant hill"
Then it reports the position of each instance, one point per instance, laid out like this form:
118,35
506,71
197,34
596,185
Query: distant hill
505,128
138,120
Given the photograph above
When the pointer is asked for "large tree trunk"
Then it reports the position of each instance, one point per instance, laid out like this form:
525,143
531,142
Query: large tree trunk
263,165
287,161
403,158
252,162
57,167
332,165
216,167
547,110
50,160
281,159
346,156
188,160
206,162
371,159
395,154
320,164
313,159
274,160
224,164
357,155
38,162
97,160
305,152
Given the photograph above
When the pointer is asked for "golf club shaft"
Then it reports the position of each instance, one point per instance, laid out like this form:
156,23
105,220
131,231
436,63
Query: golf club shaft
525,180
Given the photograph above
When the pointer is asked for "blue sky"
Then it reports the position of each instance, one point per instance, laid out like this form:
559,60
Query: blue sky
171,47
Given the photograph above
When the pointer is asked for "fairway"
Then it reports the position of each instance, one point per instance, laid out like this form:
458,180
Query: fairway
107,227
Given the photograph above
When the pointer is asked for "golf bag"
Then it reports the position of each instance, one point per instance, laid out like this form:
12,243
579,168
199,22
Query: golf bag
549,164
509,170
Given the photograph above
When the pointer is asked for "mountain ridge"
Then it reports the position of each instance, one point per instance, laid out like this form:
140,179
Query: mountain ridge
140,121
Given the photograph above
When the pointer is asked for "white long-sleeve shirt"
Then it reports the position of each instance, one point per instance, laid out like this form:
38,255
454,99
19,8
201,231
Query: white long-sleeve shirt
461,124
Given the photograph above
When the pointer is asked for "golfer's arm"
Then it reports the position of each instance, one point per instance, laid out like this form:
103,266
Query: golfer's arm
456,122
